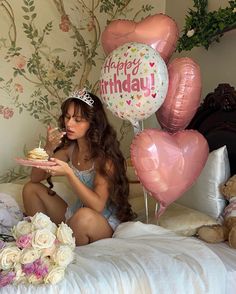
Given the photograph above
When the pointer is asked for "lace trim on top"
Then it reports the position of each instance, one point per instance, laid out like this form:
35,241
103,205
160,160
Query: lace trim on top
86,176
79,172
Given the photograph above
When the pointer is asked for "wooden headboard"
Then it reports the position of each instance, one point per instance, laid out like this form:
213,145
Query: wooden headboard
216,120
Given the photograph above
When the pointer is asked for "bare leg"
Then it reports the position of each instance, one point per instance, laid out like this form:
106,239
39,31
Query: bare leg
37,199
89,226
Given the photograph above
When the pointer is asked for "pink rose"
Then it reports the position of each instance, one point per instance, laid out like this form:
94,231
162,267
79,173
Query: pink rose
2,244
90,25
65,18
8,112
19,88
40,269
64,27
6,278
37,268
24,241
65,23
19,61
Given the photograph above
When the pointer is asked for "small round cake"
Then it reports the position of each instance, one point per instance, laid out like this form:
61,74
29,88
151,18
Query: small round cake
38,154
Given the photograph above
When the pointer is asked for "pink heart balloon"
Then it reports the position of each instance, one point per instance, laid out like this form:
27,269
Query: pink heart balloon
168,164
183,95
159,31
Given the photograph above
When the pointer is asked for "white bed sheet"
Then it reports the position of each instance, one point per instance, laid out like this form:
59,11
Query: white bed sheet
141,258
228,257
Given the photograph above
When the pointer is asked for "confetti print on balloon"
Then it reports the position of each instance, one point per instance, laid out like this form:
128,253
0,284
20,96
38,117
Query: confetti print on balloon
134,81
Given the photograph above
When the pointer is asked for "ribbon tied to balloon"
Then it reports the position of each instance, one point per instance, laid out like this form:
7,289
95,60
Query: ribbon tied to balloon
133,81
168,164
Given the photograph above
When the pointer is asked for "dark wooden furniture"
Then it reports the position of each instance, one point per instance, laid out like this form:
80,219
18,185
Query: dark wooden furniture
216,120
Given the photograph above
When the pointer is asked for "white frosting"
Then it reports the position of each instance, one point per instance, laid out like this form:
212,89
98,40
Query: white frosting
38,154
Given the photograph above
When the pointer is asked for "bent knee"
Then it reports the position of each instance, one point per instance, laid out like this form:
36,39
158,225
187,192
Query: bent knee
33,186
83,216
30,188
85,213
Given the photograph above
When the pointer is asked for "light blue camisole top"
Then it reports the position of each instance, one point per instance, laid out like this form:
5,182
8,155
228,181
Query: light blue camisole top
87,178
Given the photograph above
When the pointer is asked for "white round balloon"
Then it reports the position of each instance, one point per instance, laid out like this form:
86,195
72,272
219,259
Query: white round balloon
134,81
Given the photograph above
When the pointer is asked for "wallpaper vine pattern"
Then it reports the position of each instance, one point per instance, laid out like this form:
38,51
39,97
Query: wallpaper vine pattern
49,48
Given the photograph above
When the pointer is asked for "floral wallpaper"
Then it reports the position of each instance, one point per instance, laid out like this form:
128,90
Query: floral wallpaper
48,48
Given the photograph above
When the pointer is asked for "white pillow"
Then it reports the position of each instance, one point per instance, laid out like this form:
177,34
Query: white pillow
14,190
178,218
10,213
183,220
205,195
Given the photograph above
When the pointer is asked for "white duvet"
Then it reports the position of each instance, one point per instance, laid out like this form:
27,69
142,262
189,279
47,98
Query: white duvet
140,258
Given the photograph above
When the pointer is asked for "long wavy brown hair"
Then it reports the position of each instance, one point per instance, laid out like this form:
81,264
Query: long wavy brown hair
104,147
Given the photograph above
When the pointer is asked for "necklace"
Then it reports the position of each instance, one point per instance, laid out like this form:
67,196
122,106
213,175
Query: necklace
82,159
79,162
82,156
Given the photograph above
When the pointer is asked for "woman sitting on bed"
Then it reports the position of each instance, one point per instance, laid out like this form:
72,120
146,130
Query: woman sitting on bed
88,155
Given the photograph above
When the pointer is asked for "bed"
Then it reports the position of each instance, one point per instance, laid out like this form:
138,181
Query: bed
164,257
140,258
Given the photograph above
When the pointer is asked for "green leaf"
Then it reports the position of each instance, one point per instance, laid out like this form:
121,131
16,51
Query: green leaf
25,26
25,9
58,50
209,26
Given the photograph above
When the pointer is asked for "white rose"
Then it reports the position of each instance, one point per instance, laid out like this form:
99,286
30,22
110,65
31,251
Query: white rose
9,256
53,228
43,239
190,33
64,235
29,255
10,244
20,275
32,279
48,251
22,228
42,221
55,275
46,261
63,256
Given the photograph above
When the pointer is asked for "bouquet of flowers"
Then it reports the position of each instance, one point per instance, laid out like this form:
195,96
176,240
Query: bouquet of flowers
40,253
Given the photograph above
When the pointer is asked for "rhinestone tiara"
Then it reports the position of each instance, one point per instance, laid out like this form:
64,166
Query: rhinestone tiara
83,95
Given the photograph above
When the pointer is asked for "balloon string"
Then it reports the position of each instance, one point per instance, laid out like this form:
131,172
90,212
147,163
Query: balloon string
138,127
145,194
156,208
